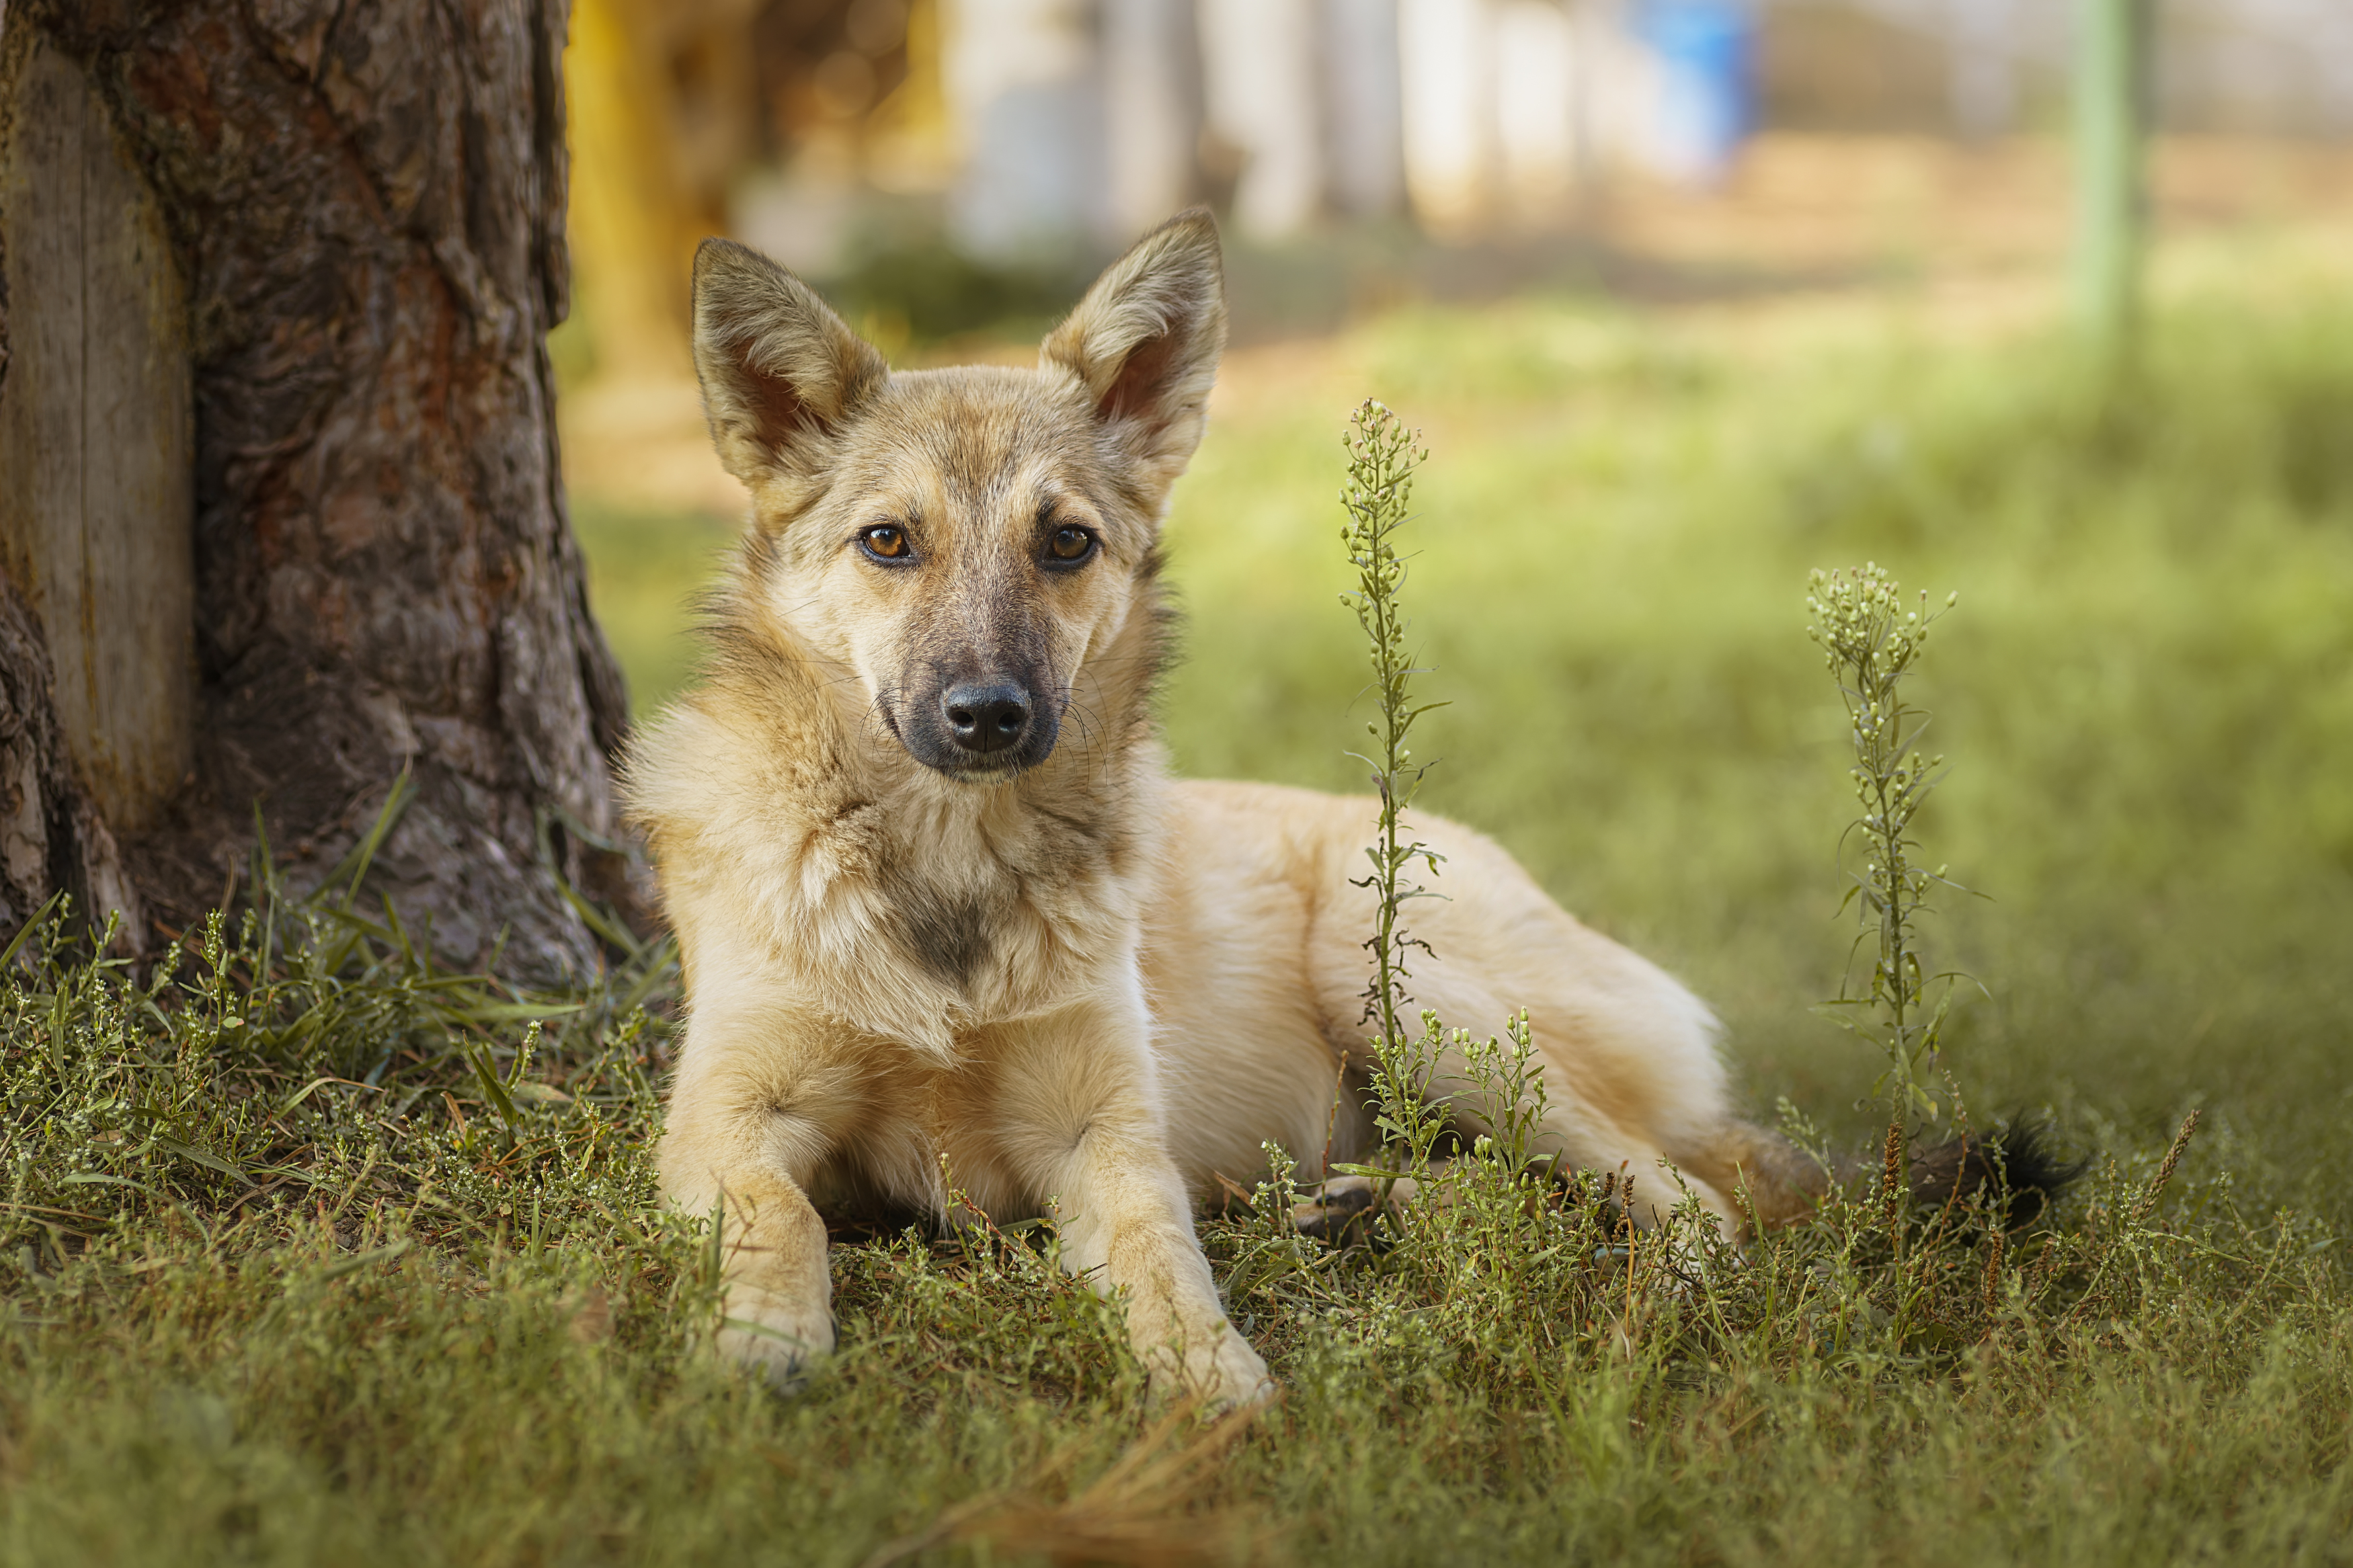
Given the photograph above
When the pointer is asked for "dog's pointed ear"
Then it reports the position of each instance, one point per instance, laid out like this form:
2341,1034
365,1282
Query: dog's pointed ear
1144,341
781,374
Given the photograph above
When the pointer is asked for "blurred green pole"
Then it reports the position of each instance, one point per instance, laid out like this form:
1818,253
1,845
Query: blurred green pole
2111,44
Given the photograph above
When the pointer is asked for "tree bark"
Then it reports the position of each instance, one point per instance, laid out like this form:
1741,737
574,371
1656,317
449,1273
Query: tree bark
52,837
365,201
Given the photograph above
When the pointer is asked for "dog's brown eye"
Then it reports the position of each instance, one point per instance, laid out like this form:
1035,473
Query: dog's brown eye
889,542
1071,543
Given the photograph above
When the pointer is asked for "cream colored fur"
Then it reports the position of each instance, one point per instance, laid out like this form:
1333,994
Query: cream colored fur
1094,990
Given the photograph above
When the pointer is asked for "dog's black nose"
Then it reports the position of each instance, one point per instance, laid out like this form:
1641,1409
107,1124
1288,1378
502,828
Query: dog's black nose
985,719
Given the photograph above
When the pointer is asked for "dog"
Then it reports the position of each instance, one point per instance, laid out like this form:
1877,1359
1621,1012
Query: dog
939,902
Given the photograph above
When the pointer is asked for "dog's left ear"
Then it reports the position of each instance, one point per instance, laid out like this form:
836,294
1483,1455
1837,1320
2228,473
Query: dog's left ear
1145,343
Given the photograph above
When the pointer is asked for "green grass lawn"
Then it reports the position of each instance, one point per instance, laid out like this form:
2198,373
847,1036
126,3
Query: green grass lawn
440,1319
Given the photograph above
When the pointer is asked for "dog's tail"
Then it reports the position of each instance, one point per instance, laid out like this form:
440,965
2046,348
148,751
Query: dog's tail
2015,1160
1782,1184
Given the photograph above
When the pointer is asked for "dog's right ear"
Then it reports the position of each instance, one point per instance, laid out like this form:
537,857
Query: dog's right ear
781,374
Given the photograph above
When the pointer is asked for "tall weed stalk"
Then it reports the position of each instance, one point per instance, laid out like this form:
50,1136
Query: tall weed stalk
1871,642
1382,457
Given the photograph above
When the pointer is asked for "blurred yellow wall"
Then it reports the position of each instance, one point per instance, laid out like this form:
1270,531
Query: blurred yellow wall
672,101
664,109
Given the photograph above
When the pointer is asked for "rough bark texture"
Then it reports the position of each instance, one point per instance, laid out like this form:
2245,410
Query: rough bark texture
51,838
367,200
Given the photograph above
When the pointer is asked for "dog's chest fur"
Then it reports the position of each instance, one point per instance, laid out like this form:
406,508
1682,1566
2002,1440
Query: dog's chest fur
913,907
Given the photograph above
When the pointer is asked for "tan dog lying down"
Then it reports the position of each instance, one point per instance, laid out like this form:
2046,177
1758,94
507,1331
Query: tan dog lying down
936,894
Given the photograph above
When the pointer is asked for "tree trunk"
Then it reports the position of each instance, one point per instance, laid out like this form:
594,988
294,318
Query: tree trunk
51,838
363,202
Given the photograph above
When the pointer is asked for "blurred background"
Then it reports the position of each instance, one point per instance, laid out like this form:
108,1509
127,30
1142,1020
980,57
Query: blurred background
948,166
2042,302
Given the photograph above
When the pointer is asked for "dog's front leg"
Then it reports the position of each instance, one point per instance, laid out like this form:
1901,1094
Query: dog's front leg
1083,1118
762,1094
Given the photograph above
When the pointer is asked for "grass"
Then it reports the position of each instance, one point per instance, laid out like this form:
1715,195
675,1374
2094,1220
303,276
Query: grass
644,567
306,1256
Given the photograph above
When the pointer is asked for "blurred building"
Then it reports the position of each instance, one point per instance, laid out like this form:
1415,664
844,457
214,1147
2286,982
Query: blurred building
1086,119
1991,67
1090,117
1029,129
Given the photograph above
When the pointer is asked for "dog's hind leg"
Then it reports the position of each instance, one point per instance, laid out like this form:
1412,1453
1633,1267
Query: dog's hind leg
1339,1209
1774,1181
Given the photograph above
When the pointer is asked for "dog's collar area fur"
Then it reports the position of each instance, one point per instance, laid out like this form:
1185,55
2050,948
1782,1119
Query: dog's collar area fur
918,905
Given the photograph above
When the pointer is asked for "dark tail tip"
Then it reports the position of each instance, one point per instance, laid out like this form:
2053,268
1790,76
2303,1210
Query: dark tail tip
2015,1159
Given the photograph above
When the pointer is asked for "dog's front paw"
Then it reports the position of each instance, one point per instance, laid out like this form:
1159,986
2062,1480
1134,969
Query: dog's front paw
1220,1369
780,1337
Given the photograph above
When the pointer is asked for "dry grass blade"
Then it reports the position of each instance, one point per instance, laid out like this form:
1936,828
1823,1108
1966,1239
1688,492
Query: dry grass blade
1133,1514
2147,1204
1893,1186
1993,1279
2137,1218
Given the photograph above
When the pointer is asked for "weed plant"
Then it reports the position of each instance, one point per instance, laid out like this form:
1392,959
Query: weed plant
1382,457
314,1252
1870,643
